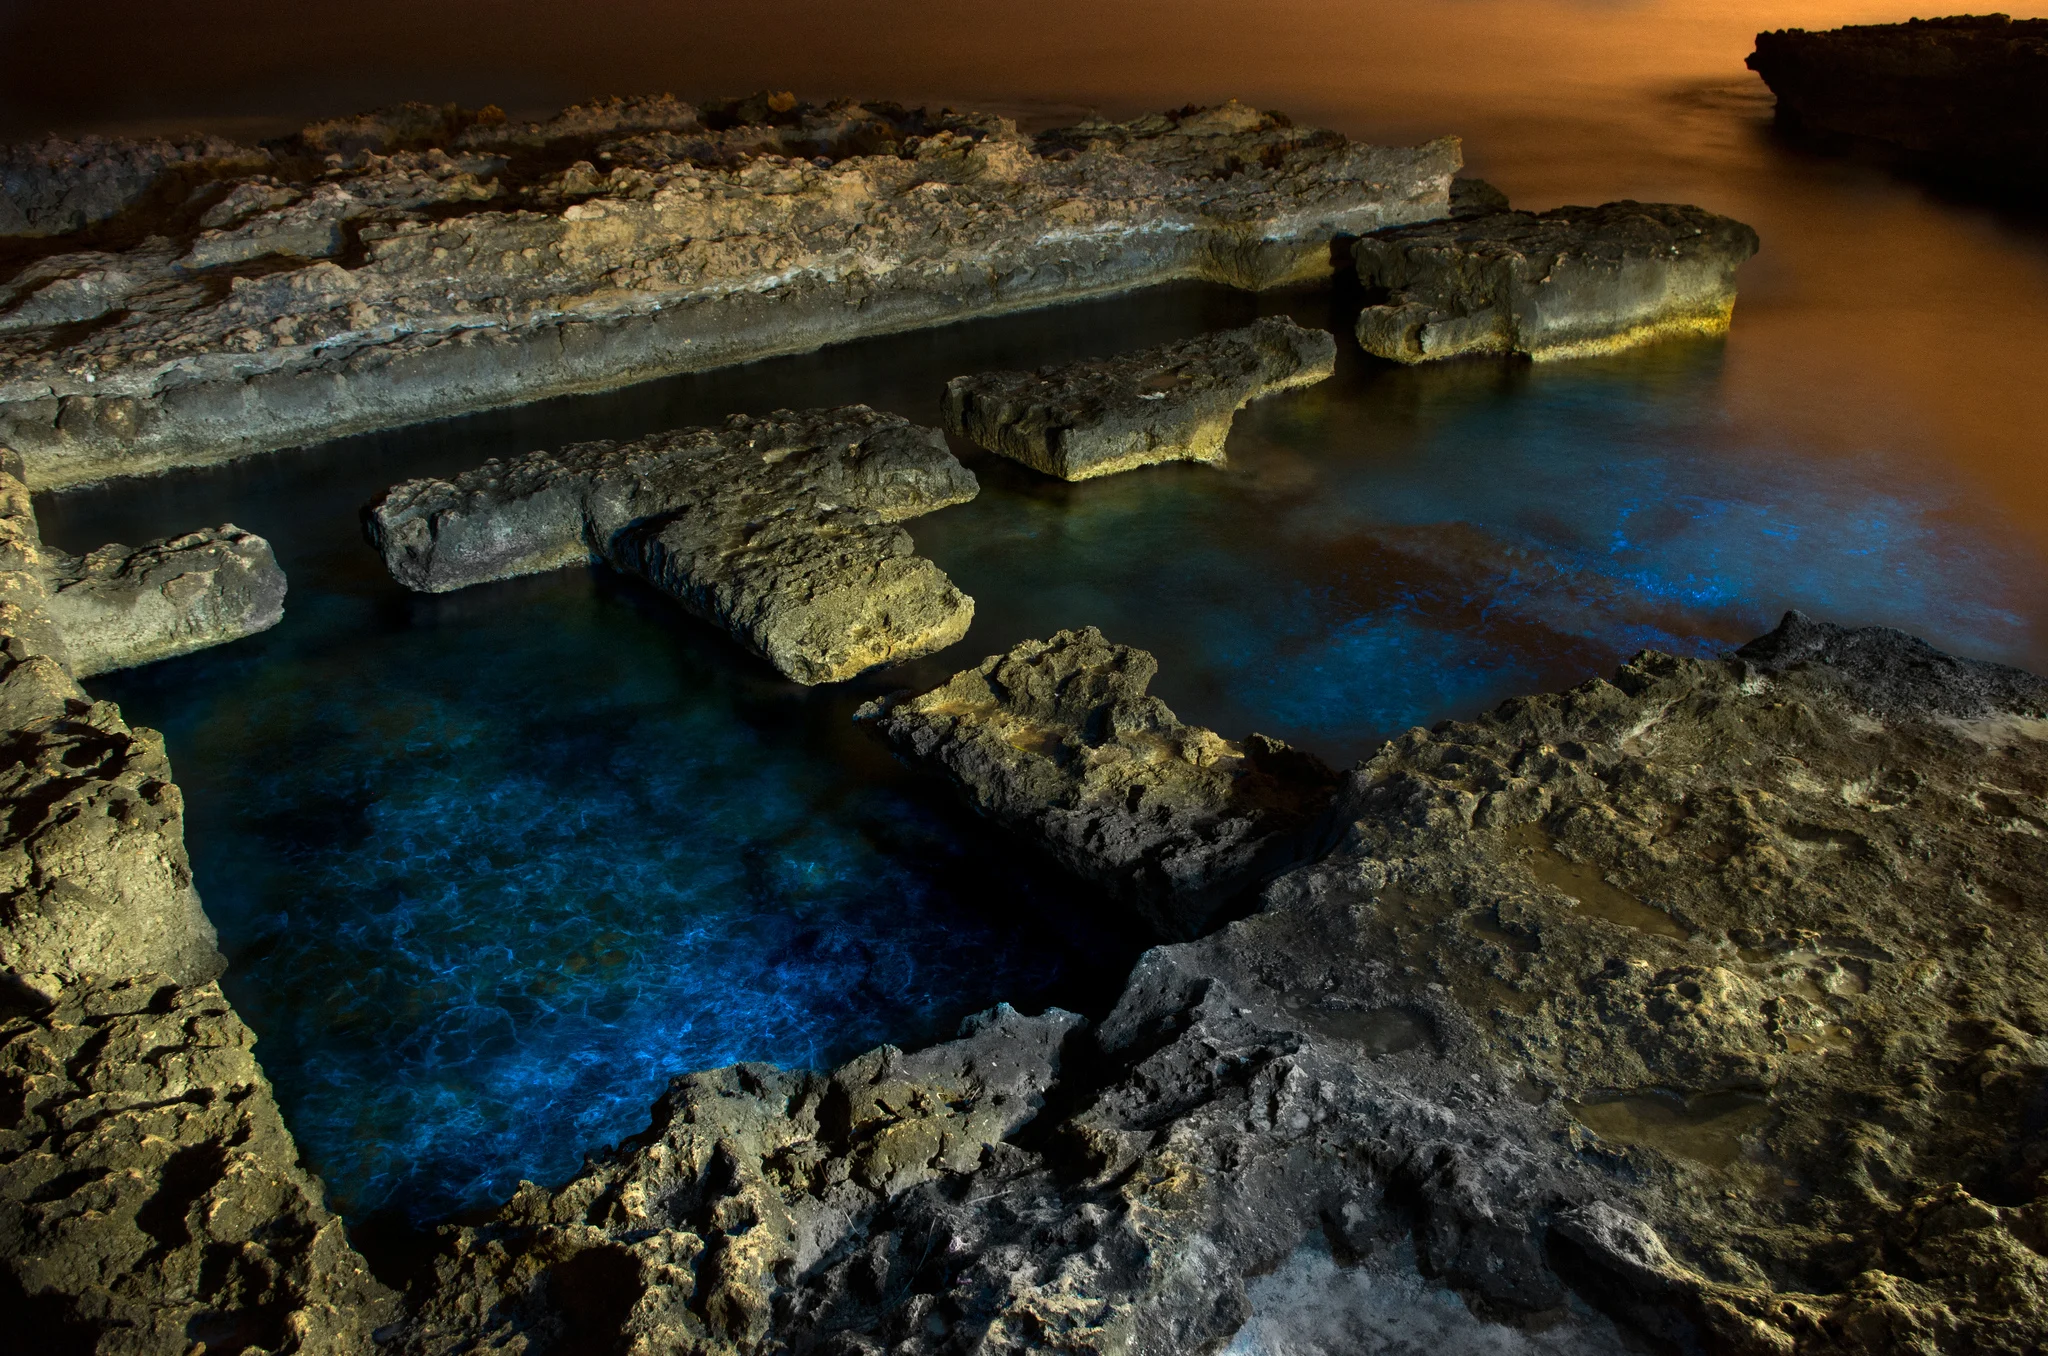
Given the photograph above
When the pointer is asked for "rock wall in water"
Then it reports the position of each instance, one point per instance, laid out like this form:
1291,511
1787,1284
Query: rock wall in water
422,262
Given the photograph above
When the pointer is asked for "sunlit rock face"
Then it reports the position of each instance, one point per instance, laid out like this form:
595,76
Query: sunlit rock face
121,606
1171,403
1711,993
1059,741
413,263
782,530
1568,283
1962,99
151,1199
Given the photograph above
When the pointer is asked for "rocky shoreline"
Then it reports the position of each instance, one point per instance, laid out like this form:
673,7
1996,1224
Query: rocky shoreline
421,262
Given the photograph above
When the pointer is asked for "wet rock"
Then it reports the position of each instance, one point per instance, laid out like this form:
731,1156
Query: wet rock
1711,994
1567,283
1059,741
1171,403
425,260
1962,100
121,606
783,530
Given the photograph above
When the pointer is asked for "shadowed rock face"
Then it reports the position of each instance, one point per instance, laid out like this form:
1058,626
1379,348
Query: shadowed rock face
1058,740
121,606
1713,992
1567,283
1171,403
780,529
55,187
422,261
1962,99
150,1197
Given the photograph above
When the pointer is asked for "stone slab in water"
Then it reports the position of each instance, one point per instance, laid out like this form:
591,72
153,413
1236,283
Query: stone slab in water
1170,403
1802,1114
121,606
1962,99
781,529
1059,741
1572,282
423,261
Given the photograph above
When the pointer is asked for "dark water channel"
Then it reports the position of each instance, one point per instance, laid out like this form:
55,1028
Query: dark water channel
490,867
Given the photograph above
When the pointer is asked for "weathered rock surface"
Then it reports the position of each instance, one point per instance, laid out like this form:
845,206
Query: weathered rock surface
424,260
151,1201
1961,99
1170,403
55,187
1713,993
1059,741
1567,283
121,606
780,529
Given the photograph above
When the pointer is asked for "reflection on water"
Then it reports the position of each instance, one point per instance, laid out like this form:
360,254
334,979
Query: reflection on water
489,867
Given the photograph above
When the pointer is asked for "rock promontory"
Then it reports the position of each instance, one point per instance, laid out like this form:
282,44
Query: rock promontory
121,606
1170,403
425,260
1567,283
1059,741
784,530
1961,99
1709,996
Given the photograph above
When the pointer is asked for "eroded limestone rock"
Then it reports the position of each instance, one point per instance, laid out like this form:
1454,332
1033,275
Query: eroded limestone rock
426,260
1712,993
1059,741
780,529
151,1201
1171,403
54,187
121,606
1962,99
1566,283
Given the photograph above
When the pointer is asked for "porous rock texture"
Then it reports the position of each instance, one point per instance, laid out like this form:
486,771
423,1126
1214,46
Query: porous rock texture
421,261
1170,403
781,529
1059,741
121,606
1712,994
151,1200
56,186
1962,99
1567,283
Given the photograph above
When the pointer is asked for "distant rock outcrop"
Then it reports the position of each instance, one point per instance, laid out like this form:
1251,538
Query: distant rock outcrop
423,260
122,606
1567,283
1171,403
783,530
1059,741
1961,100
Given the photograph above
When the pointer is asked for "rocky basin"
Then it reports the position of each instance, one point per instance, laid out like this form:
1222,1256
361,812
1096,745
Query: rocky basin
1962,100
421,261
1059,741
782,530
1572,282
1170,403
151,1199
121,606
1710,996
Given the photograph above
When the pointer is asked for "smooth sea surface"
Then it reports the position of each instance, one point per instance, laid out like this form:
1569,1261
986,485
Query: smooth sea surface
491,867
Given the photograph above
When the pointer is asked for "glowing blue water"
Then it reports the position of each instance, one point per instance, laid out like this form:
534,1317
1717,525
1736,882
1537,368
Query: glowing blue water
490,868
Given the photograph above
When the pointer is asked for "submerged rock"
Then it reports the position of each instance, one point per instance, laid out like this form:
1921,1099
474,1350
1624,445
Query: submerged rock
151,1200
1567,283
1961,99
1059,741
1171,403
1712,994
121,606
427,260
780,529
